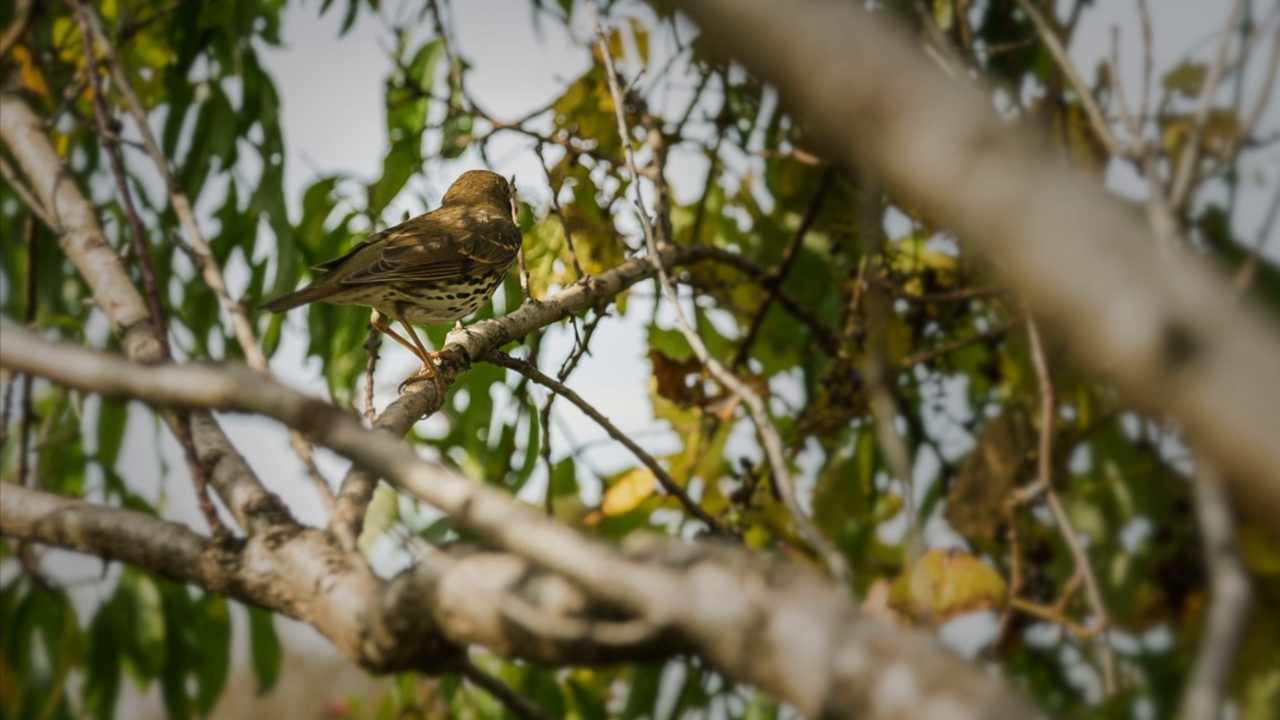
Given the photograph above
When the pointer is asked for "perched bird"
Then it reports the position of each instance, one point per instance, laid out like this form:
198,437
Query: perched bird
433,269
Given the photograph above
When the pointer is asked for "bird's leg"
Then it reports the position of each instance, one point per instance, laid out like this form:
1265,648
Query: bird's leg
429,369
380,323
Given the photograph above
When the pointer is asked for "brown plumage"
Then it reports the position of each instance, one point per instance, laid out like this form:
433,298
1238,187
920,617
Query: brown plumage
433,269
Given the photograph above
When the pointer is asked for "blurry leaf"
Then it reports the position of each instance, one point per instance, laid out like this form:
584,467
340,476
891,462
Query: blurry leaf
672,377
382,515
945,583
264,648
641,35
944,14
1186,78
542,687
642,700
1256,674
1074,131
211,638
627,491
32,78
113,419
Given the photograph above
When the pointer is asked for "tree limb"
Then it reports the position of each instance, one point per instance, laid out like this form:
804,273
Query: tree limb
1161,328
86,246
767,622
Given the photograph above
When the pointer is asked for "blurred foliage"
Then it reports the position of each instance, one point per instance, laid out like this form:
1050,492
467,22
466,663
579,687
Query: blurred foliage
949,335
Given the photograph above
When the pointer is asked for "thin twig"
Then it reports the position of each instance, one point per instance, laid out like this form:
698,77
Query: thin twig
883,399
580,348
769,437
372,345
825,336
1065,528
10,177
199,248
1097,119
789,255
30,294
107,126
1117,84
1244,278
559,213
519,705
527,369
935,352
1251,118
959,295
1148,62
1230,599
1186,168
21,16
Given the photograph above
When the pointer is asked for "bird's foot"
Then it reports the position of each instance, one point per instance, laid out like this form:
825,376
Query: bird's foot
429,371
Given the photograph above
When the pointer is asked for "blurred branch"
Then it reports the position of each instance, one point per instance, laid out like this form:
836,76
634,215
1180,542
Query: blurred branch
1183,177
108,128
1230,599
933,353
770,440
1044,481
765,622
519,705
1097,119
21,17
82,240
33,205
198,247
1161,328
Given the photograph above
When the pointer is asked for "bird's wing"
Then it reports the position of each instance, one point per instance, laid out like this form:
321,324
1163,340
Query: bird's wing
437,246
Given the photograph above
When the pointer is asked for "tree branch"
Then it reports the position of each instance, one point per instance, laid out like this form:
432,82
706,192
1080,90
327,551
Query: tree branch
1161,328
1229,602
766,622
84,243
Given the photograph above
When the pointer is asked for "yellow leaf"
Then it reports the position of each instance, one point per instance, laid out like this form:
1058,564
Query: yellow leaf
66,38
1186,78
628,491
32,78
641,35
945,583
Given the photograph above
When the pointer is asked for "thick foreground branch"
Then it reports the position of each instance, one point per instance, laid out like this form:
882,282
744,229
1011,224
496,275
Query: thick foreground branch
1161,327
766,622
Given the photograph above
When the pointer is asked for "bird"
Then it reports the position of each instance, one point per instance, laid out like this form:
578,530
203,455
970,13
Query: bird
433,269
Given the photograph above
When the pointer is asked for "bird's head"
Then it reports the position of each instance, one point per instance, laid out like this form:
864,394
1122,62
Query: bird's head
481,187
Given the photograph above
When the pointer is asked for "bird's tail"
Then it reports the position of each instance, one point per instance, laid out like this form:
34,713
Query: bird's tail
308,294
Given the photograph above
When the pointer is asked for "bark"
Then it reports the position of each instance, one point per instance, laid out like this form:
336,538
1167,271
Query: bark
763,621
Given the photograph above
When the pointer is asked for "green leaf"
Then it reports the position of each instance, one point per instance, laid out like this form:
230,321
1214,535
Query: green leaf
642,700
265,651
